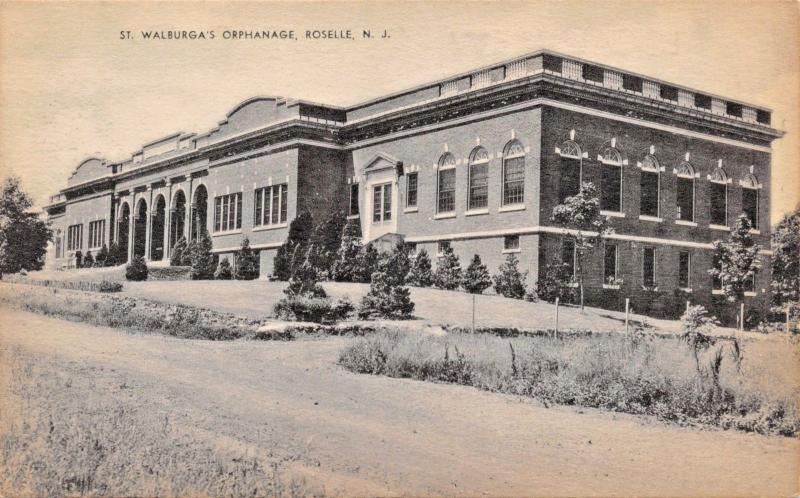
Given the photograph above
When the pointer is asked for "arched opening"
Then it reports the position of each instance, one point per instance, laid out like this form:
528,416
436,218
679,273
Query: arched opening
140,228
199,211
178,223
123,230
157,229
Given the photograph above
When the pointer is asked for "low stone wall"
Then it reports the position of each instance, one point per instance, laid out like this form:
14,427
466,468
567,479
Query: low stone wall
98,286
169,273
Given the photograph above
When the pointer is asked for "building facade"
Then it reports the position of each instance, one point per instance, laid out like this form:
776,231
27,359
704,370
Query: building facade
476,161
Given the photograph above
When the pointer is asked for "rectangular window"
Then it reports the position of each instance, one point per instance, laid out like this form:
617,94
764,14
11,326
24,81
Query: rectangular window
446,202
750,206
684,269
685,198
478,186
733,109
718,196
354,211
381,203
750,283
611,188
511,243
610,264
649,193
716,281
669,92
411,189
592,73
551,63
632,83
568,255
649,267
228,212
74,237
58,243
96,233
570,183
514,181
763,117
442,246
270,205
702,101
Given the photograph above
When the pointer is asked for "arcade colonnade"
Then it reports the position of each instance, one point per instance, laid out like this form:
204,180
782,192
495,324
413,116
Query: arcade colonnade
149,222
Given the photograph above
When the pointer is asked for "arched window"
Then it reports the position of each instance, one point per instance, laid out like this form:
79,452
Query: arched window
570,171
611,180
478,179
649,187
718,197
685,192
750,188
514,174
446,184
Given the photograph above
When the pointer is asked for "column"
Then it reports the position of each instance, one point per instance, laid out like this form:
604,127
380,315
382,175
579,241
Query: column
167,220
131,226
148,223
187,227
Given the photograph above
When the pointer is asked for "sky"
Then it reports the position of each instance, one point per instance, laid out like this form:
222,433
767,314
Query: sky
71,88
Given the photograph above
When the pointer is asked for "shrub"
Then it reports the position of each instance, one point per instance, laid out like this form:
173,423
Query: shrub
420,273
223,271
305,282
136,270
88,260
476,278
448,270
202,259
510,282
102,256
78,259
554,282
246,262
179,253
344,266
366,264
387,297
115,255
326,238
291,254
308,308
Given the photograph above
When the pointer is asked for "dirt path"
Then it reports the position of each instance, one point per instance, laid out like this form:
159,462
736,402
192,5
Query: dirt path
379,436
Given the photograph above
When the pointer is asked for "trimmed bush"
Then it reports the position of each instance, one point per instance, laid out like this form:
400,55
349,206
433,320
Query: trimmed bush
420,274
88,260
179,255
203,265
223,271
510,282
81,285
326,238
102,256
305,282
476,278
246,262
366,264
387,297
554,282
308,308
136,270
291,254
344,267
448,270
115,255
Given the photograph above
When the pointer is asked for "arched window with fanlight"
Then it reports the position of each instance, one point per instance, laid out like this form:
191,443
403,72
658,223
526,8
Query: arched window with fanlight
649,187
570,171
513,174
478,195
446,184
611,180
685,192
718,197
750,188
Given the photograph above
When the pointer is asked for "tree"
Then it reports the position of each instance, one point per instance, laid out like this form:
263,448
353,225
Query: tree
246,262
23,236
366,264
420,274
786,265
137,269
581,215
291,254
326,238
554,282
102,256
179,253
223,271
344,266
476,278
88,260
387,296
305,281
510,282
114,255
203,265
736,260
448,270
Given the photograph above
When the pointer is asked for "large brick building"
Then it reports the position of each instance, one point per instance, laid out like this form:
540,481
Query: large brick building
477,161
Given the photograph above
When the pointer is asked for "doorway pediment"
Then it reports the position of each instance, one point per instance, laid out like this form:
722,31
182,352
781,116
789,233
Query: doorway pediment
379,162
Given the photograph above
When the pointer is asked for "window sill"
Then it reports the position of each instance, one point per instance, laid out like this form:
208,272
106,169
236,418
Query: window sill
382,222
443,216
651,289
511,207
755,231
511,251
687,290
412,209
750,294
476,212
719,227
717,292
227,232
353,216
686,223
645,217
611,286
574,285
271,227
613,214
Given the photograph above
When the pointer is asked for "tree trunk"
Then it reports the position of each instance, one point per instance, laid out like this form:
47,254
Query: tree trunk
580,278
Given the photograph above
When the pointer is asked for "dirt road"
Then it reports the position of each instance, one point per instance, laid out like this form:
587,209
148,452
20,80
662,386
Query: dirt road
378,436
